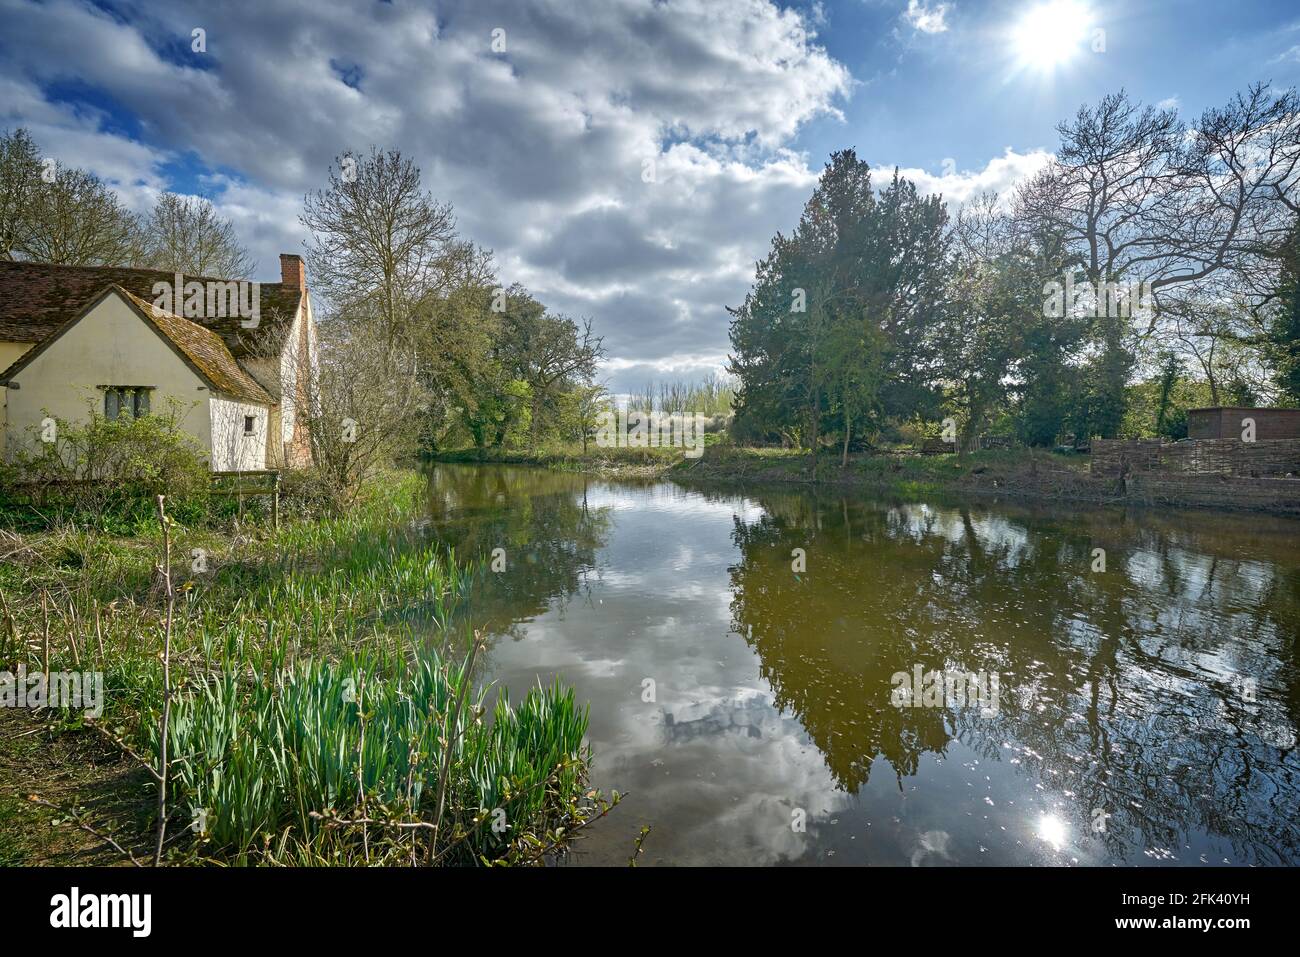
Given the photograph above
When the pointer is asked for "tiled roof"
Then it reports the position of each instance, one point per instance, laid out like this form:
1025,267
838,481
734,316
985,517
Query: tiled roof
198,346
205,350
37,298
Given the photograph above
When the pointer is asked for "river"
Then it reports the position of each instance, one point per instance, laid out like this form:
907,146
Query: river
1126,690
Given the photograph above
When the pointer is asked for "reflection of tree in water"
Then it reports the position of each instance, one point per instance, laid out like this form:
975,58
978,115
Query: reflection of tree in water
543,521
1122,688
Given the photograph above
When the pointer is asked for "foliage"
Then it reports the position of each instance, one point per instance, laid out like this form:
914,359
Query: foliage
285,647
100,466
839,324
324,737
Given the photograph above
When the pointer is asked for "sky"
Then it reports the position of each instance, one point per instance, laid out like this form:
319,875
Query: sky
626,160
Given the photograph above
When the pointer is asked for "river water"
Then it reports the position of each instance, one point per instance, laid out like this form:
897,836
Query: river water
1124,687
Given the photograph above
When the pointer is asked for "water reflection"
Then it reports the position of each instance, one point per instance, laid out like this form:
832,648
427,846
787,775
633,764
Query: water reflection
1147,713
543,522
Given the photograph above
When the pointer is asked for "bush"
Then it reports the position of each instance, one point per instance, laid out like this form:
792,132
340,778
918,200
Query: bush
111,466
311,494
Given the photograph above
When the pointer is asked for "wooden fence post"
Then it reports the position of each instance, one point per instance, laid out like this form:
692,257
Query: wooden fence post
275,502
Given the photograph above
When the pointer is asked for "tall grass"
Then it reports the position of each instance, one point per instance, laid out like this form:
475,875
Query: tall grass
293,748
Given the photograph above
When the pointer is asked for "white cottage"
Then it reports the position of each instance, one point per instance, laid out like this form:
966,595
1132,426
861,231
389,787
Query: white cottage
80,339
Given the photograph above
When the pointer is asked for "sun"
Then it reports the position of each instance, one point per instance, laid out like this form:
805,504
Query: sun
1051,34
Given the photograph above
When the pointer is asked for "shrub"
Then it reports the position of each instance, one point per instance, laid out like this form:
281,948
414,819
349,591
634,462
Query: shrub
111,465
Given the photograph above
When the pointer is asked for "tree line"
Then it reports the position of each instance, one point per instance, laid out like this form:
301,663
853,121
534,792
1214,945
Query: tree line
54,213
1150,265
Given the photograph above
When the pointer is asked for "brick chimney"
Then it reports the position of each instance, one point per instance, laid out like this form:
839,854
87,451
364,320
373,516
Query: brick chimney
292,271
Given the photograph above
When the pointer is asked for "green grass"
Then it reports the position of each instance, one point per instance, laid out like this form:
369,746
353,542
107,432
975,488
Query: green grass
1006,471
285,647
325,737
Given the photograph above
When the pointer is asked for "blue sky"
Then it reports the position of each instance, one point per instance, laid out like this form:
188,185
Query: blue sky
542,147
958,93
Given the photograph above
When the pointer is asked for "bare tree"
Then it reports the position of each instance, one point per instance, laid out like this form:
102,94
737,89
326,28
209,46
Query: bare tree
409,326
20,177
364,408
185,234
381,245
75,219
1140,197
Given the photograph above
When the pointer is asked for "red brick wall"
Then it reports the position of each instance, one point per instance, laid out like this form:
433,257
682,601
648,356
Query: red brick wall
298,454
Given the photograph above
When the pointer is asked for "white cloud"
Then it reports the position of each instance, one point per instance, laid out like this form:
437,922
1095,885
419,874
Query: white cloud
927,19
540,148
999,175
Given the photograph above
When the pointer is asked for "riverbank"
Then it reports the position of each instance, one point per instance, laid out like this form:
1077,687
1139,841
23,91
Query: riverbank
1025,474
1013,473
621,463
1031,475
295,657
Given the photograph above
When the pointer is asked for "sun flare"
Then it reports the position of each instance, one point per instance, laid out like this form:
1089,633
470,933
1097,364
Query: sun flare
1051,34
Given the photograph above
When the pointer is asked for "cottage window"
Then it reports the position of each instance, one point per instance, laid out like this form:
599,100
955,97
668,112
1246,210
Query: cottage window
131,399
250,424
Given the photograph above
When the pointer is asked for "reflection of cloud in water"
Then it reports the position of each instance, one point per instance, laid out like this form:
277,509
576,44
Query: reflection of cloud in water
931,845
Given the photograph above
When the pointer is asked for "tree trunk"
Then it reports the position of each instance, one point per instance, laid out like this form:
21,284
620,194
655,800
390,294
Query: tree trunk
848,431
813,425
533,424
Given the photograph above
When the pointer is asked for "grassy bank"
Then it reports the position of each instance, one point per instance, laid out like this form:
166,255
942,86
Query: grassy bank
1031,475
323,711
610,463
1024,473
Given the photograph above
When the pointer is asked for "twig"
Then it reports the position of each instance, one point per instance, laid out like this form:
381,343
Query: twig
361,756
125,747
167,685
11,625
329,821
640,839
99,637
76,817
72,635
574,830
45,630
